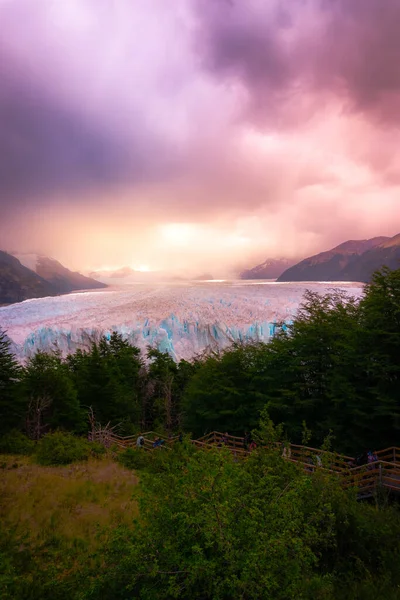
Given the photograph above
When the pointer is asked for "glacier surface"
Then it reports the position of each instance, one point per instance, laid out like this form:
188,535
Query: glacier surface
182,319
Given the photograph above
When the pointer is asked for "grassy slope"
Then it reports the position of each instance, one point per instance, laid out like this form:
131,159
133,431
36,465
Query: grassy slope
54,520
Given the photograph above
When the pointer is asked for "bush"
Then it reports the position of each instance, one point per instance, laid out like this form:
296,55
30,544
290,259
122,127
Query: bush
134,458
61,448
15,442
154,461
97,450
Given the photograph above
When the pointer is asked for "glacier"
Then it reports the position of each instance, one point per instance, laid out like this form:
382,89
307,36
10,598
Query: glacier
183,319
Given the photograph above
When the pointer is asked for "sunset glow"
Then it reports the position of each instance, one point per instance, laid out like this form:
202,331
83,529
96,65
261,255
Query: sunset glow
178,234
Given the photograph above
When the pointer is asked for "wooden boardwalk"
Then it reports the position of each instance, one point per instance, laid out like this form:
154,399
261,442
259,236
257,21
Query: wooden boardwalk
385,472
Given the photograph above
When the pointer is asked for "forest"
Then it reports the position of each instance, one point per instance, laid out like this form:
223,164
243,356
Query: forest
79,522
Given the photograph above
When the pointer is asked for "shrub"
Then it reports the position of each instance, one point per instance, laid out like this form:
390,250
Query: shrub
134,458
157,460
97,450
15,442
154,461
61,448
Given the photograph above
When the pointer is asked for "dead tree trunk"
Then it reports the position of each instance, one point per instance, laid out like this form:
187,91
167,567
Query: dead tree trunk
34,418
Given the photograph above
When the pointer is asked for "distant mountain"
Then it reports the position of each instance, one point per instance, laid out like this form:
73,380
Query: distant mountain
355,260
18,283
129,276
62,279
110,274
123,272
270,269
204,277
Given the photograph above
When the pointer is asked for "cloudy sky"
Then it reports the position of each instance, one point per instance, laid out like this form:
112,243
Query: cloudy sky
197,134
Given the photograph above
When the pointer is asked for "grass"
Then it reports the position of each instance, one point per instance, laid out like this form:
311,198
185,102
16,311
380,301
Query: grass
55,520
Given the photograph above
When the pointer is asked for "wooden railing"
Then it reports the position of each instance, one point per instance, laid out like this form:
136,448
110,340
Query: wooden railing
384,472
389,454
368,478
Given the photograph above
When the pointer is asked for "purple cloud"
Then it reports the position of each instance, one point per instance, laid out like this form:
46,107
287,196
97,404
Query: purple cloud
285,50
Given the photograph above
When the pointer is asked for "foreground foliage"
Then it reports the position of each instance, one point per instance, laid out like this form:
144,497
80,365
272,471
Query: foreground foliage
214,528
201,524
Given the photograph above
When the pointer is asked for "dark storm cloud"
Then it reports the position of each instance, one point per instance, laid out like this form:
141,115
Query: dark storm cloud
45,146
289,53
364,54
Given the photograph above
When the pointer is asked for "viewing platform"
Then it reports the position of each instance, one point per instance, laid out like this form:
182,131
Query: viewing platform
382,473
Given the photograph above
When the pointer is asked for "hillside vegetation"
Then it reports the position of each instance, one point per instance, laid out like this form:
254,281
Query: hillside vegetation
200,524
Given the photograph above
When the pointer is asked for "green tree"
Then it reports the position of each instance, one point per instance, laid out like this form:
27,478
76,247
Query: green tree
50,392
226,393
380,312
316,370
161,372
12,406
167,381
107,377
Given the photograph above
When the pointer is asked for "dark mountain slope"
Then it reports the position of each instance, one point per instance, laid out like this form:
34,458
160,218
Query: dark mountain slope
354,260
386,254
270,269
19,283
62,279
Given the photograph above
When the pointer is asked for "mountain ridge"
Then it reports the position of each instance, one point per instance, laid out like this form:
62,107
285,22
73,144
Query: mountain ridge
353,260
269,269
18,283
62,279
26,276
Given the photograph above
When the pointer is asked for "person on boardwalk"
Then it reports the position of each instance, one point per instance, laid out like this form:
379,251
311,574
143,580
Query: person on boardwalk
318,460
286,452
140,441
362,459
246,440
309,461
372,457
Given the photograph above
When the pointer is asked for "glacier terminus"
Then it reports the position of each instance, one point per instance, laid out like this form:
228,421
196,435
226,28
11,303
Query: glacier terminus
183,319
